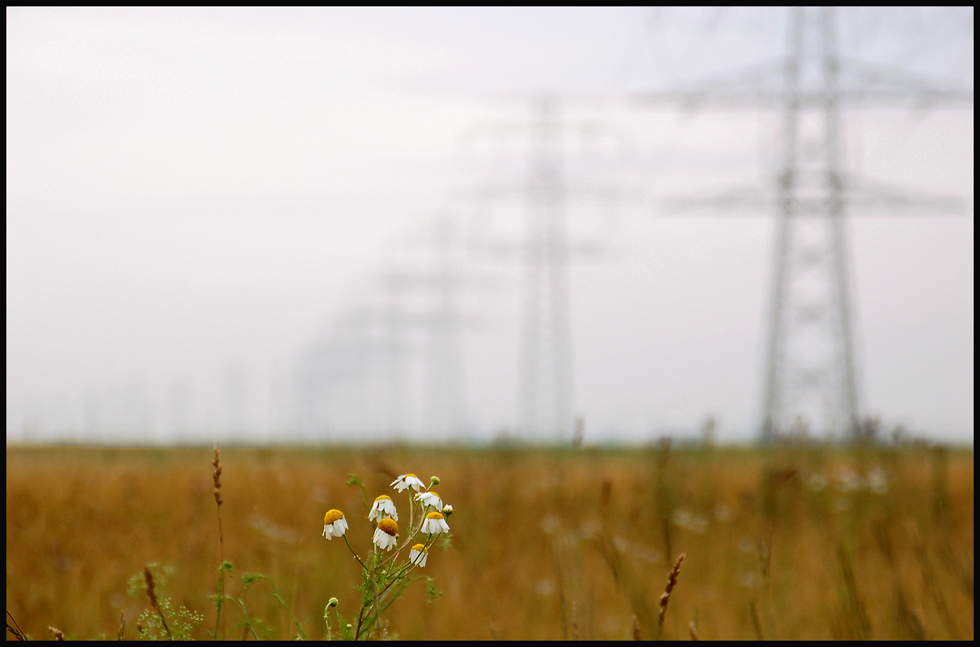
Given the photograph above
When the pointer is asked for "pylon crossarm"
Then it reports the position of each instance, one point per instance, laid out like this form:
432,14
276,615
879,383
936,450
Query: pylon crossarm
747,87
870,84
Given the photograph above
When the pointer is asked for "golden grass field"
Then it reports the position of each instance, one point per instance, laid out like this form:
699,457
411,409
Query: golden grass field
784,543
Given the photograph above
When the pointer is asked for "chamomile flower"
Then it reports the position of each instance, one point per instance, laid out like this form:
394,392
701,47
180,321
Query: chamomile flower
430,498
384,536
418,555
407,481
334,524
383,507
434,524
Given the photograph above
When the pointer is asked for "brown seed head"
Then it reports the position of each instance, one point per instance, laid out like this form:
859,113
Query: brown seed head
153,599
57,633
148,576
671,583
217,475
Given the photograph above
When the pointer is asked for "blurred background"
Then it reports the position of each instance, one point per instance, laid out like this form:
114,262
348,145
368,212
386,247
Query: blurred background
432,225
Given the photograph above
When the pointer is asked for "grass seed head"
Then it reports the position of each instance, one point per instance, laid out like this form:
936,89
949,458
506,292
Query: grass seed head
671,583
148,576
217,475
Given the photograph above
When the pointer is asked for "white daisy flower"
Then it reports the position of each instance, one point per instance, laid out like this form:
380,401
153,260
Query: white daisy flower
434,524
418,555
383,507
334,524
430,498
406,481
385,535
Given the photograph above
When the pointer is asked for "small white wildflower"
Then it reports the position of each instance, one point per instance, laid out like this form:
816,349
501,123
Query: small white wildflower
847,479
385,535
406,481
817,481
434,524
430,498
334,524
418,555
877,480
383,507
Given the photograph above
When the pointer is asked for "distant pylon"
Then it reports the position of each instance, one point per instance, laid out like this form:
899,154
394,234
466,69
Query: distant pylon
545,380
810,370
545,377
445,398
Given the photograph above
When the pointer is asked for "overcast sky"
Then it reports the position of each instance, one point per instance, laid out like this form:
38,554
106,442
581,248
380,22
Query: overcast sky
200,199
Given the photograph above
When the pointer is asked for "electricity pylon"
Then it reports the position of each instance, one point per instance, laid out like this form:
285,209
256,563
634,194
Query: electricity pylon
810,373
361,379
544,383
545,377
445,399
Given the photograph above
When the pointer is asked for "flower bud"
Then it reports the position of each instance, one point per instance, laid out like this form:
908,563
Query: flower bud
332,602
433,480
447,510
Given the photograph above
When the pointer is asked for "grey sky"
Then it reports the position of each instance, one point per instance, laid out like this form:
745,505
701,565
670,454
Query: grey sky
195,198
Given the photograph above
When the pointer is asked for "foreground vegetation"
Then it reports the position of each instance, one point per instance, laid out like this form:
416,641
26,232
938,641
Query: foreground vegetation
781,543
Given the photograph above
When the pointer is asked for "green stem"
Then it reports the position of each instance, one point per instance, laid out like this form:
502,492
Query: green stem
353,553
248,620
221,596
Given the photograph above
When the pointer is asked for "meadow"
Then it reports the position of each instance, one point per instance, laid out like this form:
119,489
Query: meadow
795,542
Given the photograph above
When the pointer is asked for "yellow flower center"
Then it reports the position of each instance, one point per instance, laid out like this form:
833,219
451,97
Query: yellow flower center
420,548
332,516
434,515
383,496
412,475
388,526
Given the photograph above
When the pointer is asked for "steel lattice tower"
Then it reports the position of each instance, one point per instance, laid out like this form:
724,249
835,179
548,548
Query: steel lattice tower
810,369
544,378
549,144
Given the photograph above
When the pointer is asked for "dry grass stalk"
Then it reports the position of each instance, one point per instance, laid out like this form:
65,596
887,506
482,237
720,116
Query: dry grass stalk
148,576
221,538
626,580
636,629
693,629
57,633
854,616
15,628
756,623
122,626
665,598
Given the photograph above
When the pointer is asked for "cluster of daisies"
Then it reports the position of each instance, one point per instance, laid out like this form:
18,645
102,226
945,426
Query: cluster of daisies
384,513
